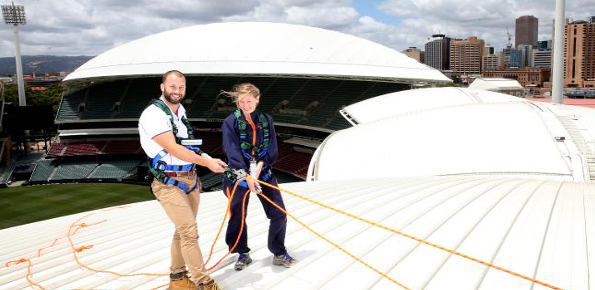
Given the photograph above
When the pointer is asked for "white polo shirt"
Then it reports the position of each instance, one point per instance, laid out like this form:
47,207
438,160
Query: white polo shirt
154,121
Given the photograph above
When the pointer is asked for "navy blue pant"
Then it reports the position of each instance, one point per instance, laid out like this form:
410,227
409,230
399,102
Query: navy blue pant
278,219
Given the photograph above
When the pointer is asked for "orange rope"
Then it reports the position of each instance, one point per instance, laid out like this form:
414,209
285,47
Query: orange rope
78,250
408,236
227,211
15,262
75,250
222,223
53,244
335,245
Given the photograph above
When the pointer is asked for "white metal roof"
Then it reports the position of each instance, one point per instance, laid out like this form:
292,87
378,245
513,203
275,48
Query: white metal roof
495,84
257,48
490,138
538,228
438,131
408,101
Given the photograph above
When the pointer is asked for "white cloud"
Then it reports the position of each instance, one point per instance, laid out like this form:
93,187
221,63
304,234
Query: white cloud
76,27
487,19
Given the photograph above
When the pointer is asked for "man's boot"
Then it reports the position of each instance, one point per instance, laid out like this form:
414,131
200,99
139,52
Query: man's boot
211,285
180,281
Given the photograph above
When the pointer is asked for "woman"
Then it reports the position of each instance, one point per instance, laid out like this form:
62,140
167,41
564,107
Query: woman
249,139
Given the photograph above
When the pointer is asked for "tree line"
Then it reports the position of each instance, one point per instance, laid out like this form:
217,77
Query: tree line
49,97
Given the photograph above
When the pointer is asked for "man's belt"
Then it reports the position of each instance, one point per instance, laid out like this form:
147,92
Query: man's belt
180,173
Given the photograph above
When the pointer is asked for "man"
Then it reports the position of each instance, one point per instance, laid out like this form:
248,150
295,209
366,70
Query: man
166,137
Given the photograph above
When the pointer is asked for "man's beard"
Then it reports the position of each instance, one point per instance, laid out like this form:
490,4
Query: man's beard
170,99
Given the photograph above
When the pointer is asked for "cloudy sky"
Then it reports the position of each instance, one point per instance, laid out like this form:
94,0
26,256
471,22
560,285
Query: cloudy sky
90,27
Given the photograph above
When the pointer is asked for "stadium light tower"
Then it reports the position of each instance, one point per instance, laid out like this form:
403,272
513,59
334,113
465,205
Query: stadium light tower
15,15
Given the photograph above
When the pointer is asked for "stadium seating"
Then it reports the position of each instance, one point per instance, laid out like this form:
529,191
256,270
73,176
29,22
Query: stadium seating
6,172
69,106
114,169
83,148
69,170
134,95
43,170
294,163
101,99
57,149
123,147
211,179
140,93
95,147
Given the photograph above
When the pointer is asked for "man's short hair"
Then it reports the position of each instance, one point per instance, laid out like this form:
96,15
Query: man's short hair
172,72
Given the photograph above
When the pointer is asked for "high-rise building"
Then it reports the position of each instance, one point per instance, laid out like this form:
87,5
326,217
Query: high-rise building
503,60
489,62
544,44
542,58
511,58
580,54
437,54
525,55
488,50
526,31
466,55
414,53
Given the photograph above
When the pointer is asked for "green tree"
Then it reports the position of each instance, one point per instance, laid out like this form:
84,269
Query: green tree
50,97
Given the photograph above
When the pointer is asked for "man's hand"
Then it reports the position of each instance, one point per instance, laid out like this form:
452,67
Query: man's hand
216,165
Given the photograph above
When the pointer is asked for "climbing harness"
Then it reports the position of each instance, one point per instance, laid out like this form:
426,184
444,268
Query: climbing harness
158,167
250,150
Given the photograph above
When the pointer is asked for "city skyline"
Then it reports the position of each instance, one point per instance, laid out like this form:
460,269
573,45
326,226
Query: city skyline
83,27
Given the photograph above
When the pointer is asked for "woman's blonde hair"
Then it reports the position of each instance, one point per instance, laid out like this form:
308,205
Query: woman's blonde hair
240,89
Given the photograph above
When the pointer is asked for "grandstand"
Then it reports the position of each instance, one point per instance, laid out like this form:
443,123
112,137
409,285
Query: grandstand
305,81
204,103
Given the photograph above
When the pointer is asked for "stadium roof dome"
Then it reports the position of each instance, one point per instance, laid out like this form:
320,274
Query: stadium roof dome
257,48
449,131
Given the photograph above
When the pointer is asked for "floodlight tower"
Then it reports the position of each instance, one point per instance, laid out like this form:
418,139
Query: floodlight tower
15,15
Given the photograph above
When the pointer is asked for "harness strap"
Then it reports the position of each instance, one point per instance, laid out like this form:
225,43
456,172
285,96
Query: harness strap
260,149
158,166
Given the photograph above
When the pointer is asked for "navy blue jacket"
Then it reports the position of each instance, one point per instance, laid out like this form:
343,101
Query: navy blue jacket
231,141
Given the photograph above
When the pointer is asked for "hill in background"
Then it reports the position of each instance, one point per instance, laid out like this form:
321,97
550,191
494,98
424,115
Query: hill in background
40,64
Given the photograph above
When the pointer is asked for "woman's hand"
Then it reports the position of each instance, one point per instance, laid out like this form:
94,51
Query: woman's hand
253,185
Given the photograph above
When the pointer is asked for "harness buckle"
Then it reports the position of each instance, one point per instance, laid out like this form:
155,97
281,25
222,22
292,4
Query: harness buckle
239,173
161,165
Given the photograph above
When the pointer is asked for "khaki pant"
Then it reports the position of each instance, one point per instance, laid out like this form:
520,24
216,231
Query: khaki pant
181,208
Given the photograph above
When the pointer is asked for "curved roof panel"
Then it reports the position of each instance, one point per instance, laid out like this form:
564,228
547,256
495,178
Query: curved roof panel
485,138
257,48
403,102
495,84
